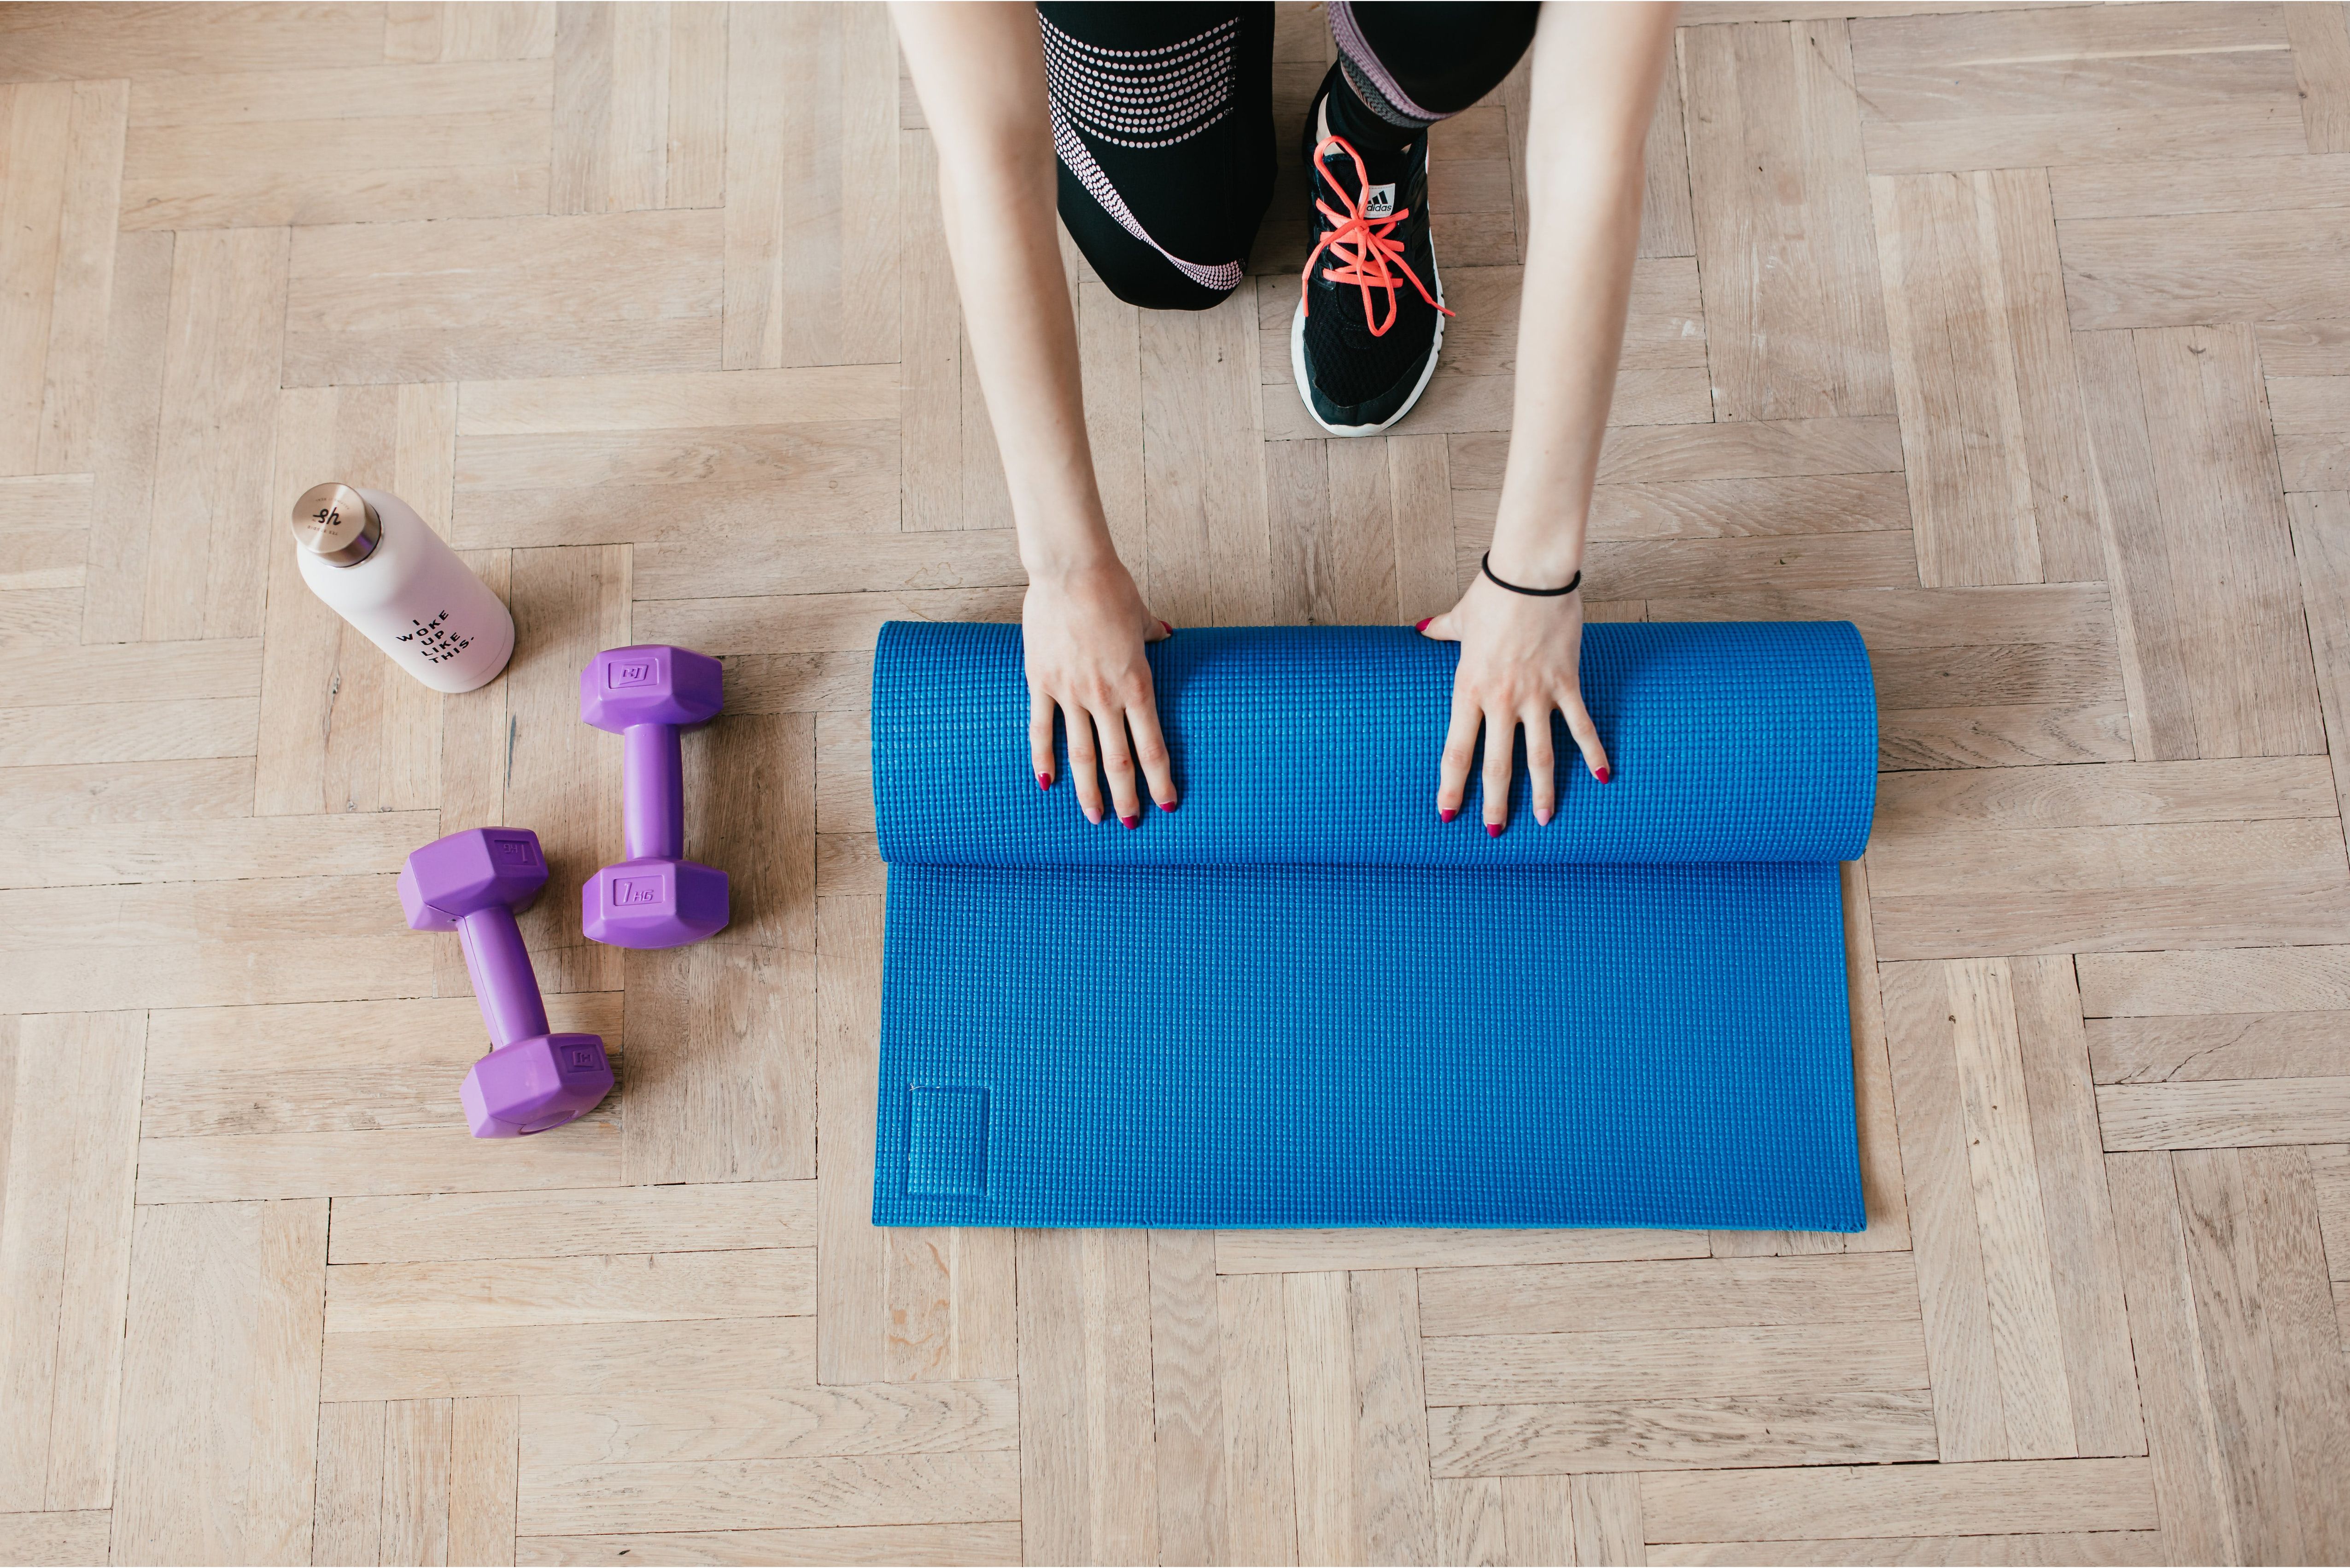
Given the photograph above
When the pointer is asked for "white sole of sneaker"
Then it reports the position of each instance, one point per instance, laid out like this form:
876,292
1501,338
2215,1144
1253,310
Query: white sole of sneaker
1297,366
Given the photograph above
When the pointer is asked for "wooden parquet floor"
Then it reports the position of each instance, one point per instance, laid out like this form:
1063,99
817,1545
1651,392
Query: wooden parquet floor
2019,337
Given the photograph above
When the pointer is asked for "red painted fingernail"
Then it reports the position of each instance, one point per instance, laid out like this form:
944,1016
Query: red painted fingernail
1604,776
1165,628
1168,805
1492,830
1044,781
1447,813
1421,625
1131,821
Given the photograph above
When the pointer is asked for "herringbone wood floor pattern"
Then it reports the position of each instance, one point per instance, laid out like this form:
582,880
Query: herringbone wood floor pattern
2020,337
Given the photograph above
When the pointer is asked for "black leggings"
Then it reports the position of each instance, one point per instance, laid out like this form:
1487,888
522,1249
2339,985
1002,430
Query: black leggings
1162,116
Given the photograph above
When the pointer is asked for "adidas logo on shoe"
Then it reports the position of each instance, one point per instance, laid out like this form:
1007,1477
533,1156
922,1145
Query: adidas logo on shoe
1379,201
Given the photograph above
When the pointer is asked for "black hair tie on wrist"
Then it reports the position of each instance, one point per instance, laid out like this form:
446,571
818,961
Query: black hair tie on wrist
1485,565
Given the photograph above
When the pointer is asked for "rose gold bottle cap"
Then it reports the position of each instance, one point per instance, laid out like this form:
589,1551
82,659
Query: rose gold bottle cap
333,523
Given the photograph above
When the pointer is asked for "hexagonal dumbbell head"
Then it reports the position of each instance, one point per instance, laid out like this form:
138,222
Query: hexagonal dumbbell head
533,1084
653,903
651,683
451,878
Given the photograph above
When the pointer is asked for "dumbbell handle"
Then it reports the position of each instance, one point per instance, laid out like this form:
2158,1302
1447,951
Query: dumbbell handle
504,981
653,806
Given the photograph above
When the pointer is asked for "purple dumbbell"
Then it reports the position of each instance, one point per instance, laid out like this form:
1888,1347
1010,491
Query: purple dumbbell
654,898
473,883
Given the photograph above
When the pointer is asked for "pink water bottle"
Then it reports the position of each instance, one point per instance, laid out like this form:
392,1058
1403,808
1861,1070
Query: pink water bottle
383,568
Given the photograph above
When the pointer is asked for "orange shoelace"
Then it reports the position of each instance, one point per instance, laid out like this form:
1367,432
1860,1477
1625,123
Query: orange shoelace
1366,263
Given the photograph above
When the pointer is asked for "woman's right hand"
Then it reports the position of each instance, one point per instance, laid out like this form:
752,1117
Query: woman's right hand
1082,633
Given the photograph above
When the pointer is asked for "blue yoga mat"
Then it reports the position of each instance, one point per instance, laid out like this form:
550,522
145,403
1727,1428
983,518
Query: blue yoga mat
1301,1000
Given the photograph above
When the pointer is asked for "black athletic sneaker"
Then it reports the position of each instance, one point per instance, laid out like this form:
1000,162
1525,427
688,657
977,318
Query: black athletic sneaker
1370,312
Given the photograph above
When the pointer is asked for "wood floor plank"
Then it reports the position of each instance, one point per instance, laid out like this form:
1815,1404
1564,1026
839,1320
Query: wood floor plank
812,210
1187,1397
93,794
2107,1548
1259,1439
2321,544
1712,1292
1668,227
2224,1270
1784,238
67,1539
424,32
1322,1414
611,109
252,148
1208,557
2320,36
1608,1525
1989,90
44,532
1297,1251
484,297
46,43
62,142
2017,1496
778,1423
2224,1114
203,944
931,347
720,1044
2016,1255
141,672
612,1287
2194,184
212,491
2220,1046
220,1384
234,1168
218,851
2251,979
912,1545
2214,645
1350,552
617,1357
65,1253
1838,1427
671,458
1637,1363
2083,889
1088,1475
771,1494
684,1218
1991,410
1470,1529
2227,267
484,1475
347,1519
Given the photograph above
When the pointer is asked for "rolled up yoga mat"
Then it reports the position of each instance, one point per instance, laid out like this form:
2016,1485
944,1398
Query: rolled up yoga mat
1300,999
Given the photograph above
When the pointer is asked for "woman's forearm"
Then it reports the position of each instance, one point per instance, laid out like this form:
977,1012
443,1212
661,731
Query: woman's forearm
981,74
1595,80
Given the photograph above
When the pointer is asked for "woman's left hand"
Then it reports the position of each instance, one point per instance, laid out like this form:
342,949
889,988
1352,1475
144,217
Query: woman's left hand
1520,660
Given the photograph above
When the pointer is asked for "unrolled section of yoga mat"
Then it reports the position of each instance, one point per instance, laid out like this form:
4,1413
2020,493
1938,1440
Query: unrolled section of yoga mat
1301,1000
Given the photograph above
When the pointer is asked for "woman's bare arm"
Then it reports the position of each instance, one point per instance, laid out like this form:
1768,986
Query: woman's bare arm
979,69
1596,71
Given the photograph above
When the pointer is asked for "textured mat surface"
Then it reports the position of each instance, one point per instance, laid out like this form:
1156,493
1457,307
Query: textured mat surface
1301,1000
